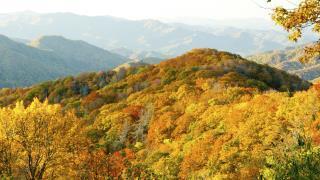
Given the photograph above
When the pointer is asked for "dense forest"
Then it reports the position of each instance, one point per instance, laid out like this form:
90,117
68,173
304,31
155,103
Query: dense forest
203,114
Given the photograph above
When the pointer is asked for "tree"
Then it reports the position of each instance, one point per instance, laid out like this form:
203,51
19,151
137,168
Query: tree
306,14
41,141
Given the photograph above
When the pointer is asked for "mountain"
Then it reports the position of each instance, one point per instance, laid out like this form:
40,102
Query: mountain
288,60
244,23
199,68
80,55
50,58
212,68
145,35
21,65
205,114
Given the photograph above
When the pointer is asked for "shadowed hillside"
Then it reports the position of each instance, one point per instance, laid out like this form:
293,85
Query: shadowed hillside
79,54
50,58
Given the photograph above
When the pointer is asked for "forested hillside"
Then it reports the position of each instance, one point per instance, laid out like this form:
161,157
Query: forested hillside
50,58
203,114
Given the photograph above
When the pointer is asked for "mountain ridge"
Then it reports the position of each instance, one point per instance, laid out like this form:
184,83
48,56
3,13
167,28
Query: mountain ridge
146,35
23,65
224,67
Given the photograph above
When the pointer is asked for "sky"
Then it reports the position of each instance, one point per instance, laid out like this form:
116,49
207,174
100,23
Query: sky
146,9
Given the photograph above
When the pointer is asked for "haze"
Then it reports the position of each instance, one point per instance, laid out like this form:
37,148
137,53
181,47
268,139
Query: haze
146,9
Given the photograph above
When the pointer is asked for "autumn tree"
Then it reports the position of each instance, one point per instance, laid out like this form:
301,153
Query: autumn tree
39,141
305,14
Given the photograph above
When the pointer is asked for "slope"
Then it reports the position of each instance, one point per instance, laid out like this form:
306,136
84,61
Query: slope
79,54
22,65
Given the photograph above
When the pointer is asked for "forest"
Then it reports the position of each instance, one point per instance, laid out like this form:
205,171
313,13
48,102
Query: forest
203,114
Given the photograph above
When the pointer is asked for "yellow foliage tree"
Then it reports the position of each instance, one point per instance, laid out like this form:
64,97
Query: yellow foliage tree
306,14
39,141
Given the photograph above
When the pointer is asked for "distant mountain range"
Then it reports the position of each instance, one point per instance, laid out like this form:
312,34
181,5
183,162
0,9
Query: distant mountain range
288,60
50,57
240,23
150,57
169,39
26,59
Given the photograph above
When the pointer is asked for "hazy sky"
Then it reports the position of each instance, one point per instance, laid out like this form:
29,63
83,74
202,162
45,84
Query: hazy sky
142,9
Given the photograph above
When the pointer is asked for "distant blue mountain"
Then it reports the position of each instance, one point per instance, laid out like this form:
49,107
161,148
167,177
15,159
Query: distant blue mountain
50,57
143,35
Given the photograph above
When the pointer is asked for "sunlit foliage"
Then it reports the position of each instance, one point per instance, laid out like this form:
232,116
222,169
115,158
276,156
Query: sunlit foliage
305,14
205,114
38,141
